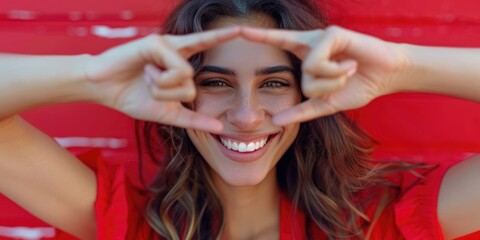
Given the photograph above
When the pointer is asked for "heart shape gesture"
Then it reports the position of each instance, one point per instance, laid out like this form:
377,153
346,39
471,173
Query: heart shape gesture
342,70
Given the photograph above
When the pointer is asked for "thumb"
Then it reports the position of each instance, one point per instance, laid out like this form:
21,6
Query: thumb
319,84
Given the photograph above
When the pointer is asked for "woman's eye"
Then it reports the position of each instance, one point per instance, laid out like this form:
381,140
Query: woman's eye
214,83
275,84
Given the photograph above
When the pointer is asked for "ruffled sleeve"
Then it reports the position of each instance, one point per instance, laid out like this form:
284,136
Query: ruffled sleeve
111,207
416,211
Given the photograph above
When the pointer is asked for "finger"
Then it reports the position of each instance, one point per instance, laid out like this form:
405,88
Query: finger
321,68
296,42
321,60
154,50
305,111
172,55
186,118
167,78
183,93
188,45
178,69
321,84
314,87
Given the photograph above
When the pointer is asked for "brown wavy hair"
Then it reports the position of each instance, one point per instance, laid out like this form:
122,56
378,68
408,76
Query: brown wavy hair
322,171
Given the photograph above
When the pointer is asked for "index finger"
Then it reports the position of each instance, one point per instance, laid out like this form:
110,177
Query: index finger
186,118
190,44
305,111
296,42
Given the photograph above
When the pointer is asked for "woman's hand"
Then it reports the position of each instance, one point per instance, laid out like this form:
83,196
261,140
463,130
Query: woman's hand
150,77
341,69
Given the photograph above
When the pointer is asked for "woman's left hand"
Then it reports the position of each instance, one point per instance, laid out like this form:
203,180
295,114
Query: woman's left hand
341,69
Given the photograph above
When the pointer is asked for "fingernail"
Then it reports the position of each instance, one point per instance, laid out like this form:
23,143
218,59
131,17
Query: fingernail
351,65
351,72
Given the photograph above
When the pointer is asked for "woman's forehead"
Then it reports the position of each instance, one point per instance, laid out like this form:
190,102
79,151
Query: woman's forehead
253,20
242,53
245,53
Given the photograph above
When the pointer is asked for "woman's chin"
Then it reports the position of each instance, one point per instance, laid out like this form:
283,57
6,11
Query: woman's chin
239,179
242,182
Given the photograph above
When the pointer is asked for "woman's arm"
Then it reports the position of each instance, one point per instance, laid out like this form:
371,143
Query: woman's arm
344,70
459,197
448,71
146,79
35,171
31,81
45,179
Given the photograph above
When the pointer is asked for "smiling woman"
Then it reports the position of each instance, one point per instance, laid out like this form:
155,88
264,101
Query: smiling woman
319,166
247,97
244,84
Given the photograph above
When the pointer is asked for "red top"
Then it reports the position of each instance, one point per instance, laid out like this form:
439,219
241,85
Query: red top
412,217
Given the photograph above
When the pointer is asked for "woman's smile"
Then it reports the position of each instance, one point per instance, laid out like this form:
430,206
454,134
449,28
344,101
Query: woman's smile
244,92
243,148
249,143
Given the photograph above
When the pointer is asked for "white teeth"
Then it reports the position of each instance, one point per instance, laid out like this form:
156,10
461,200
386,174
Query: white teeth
243,146
251,147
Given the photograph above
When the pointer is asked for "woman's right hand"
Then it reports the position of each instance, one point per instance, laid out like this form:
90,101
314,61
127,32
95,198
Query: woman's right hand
149,78
341,69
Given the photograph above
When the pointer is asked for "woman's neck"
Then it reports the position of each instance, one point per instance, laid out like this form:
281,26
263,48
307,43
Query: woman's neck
251,212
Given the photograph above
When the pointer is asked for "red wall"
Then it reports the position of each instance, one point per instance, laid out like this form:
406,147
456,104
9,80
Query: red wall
417,126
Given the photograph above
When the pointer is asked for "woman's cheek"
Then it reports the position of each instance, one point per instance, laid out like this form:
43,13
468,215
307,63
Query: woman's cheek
275,104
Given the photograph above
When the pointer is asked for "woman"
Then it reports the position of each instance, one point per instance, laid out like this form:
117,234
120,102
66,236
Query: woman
271,165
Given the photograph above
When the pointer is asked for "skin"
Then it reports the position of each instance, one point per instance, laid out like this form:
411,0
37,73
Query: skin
244,93
458,207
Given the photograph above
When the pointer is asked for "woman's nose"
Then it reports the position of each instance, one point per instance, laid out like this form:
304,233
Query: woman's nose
246,113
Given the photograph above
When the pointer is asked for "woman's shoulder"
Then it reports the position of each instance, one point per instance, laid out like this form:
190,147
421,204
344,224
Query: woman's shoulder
415,208
111,206
119,203
458,198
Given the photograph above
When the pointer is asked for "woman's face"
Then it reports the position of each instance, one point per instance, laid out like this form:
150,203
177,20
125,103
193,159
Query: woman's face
244,84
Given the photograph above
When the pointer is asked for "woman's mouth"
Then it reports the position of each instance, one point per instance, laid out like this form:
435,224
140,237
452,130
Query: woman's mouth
244,146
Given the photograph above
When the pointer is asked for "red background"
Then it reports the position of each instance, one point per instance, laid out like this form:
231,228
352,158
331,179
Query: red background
416,126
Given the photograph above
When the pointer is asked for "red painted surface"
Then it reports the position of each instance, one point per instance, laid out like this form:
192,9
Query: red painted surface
417,125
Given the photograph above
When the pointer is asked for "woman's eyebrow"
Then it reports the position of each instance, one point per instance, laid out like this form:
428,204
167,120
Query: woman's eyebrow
274,69
262,71
216,69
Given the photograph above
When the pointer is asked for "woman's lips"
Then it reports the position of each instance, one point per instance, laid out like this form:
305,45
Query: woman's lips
241,150
243,146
